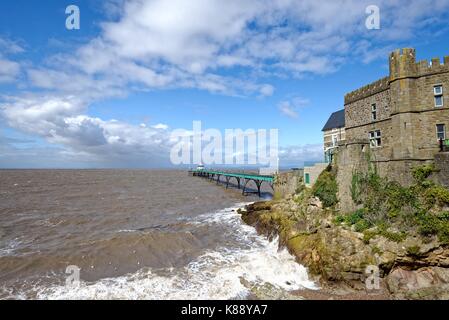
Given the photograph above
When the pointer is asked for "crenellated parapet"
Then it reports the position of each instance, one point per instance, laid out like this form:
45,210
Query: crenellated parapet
369,90
403,65
434,66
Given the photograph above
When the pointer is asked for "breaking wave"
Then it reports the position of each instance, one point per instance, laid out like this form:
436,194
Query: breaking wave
227,272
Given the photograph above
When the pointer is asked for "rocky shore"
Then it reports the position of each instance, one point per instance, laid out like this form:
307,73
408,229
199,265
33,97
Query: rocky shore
340,259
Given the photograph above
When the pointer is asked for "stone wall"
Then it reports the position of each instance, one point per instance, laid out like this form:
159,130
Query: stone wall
286,183
358,112
349,158
313,172
442,164
368,90
406,116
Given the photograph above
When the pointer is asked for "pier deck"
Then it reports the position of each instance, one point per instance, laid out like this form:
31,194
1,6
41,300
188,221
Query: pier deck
242,179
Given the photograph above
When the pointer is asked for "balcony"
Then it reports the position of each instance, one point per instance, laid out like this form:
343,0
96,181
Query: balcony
444,145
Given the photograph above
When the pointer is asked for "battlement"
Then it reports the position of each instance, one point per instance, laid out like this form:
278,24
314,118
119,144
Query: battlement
433,66
369,90
403,65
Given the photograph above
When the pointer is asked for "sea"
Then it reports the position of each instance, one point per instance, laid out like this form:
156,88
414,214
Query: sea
133,234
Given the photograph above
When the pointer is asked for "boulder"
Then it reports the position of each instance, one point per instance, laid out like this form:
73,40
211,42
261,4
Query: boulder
425,283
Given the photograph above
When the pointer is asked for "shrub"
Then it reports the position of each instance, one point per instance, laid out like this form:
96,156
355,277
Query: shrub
421,173
326,188
414,251
394,236
355,217
434,225
339,219
368,235
436,195
362,225
398,197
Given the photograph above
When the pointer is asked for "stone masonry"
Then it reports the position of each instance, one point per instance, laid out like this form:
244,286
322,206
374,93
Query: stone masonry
394,120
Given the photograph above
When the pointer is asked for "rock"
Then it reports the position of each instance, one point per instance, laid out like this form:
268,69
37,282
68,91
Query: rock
415,268
267,291
315,202
424,283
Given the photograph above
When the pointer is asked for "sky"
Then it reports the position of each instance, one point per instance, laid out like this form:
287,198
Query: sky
111,93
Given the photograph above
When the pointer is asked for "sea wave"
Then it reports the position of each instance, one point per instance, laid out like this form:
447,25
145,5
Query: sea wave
221,273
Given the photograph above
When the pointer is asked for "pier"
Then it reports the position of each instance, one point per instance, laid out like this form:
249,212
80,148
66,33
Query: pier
242,179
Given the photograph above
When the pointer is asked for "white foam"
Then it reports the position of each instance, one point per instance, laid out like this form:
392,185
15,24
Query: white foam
10,247
214,275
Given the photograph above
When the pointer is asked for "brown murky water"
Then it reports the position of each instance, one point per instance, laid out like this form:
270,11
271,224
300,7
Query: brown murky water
134,234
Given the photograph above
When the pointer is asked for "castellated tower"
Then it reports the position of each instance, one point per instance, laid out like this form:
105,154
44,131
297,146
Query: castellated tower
400,121
402,103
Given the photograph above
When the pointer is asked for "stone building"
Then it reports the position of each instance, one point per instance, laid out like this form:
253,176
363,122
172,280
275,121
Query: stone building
334,134
311,173
397,122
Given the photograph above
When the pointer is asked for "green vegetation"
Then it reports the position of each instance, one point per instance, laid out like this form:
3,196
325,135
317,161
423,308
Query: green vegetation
437,195
414,251
387,203
326,188
356,219
434,225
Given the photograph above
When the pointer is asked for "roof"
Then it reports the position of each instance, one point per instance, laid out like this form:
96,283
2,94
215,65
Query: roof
336,120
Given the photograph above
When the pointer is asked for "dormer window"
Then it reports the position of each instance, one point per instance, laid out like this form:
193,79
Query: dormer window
373,112
438,94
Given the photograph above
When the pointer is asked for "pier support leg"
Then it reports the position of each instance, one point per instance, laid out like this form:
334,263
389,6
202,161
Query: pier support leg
258,183
227,181
244,187
218,179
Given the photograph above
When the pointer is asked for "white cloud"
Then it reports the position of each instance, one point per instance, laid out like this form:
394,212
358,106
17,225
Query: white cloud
10,47
301,154
61,120
9,70
290,107
266,90
225,47
170,44
287,109
160,126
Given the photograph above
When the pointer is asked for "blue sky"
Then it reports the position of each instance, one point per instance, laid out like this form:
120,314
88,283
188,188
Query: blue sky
110,94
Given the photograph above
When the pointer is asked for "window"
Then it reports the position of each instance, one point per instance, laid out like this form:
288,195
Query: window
375,139
373,112
438,94
441,132
437,90
334,140
307,178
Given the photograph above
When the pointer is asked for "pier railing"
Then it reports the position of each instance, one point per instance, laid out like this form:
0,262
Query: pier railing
242,179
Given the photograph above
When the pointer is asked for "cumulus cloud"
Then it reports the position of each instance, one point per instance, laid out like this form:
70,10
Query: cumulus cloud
61,121
287,109
9,70
224,47
291,107
158,43
9,46
297,156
